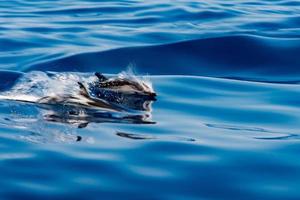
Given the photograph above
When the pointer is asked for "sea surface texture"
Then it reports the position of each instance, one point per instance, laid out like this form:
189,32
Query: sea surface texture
225,125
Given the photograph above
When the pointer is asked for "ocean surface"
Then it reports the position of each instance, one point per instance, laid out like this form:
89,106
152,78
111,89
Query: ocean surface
226,122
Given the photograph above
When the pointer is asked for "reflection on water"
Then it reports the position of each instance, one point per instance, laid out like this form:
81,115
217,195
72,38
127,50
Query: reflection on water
268,134
151,137
134,136
73,116
81,117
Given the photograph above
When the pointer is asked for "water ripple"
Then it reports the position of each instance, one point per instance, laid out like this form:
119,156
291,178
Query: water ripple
227,114
71,27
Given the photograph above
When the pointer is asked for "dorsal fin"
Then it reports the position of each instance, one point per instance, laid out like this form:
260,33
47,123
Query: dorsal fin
101,77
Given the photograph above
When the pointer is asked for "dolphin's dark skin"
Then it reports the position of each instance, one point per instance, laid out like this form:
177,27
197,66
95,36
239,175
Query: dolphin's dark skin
119,94
116,99
122,91
118,84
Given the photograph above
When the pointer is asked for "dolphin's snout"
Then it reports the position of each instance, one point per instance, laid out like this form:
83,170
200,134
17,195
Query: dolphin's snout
152,96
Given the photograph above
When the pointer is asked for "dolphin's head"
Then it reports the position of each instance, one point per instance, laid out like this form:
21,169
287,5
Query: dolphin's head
127,85
126,90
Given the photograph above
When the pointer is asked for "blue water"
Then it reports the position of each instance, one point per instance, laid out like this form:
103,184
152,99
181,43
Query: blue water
225,124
